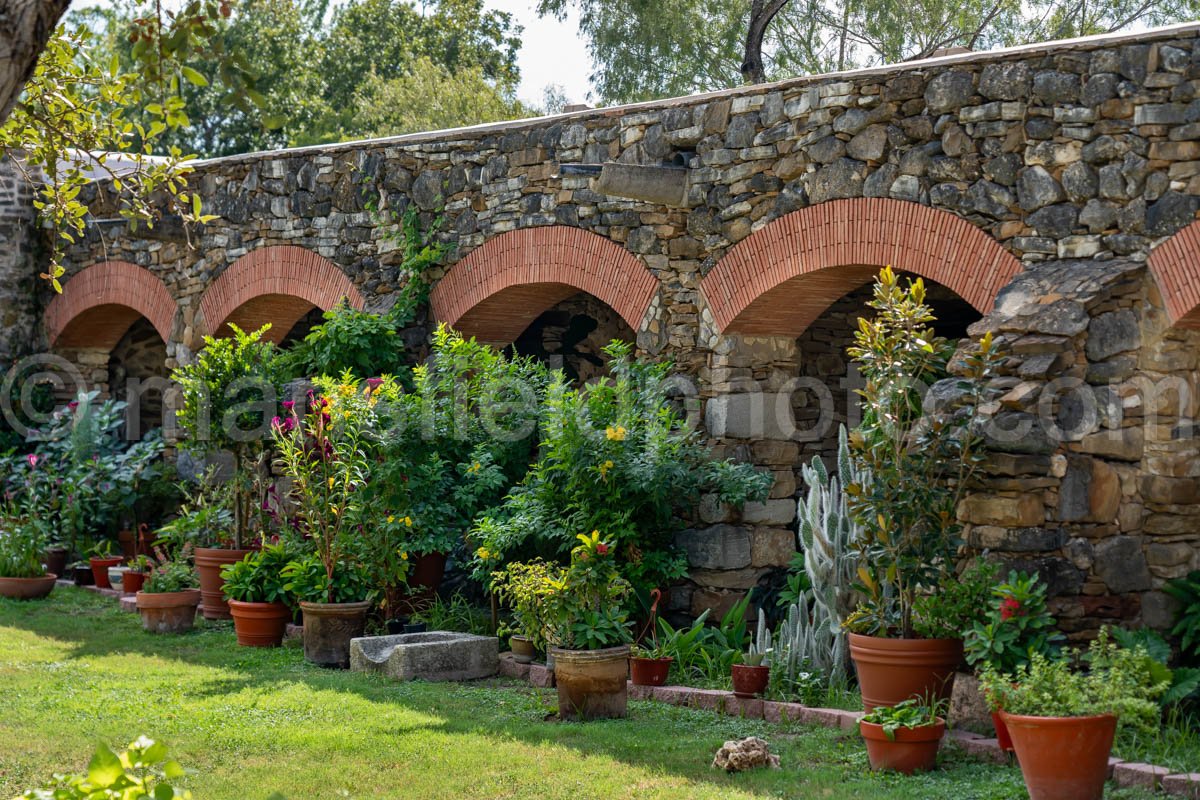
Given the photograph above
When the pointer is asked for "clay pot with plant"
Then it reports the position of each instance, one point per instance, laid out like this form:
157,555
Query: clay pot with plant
1063,721
520,587
22,542
904,737
752,672
258,600
102,558
650,660
919,455
169,597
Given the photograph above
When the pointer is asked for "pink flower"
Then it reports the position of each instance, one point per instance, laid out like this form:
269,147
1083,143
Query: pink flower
374,383
74,404
289,406
33,460
602,548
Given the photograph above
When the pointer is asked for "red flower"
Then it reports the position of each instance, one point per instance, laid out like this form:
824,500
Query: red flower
602,548
32,459
1009,608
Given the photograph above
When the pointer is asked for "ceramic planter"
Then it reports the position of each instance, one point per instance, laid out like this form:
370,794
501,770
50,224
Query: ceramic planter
592,684
100,570
522,649
328,629
209,561
912,749
27,588
259,624
56,560
649,671
1062,758
116,577
168,612
891,671
750,681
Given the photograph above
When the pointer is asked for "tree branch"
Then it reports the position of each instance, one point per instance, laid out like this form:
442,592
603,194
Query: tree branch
25,27
761,14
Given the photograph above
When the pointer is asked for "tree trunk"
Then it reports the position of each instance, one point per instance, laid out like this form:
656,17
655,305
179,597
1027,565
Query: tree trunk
761,14
25,27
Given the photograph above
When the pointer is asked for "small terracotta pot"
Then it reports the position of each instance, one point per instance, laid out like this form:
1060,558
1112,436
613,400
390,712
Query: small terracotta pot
27,588
100,570
209,561
893,670
913,749
168,612
328,629
1002,737
132,582
1062,758
522,649
649,671
592,684
259,624
56,560
750,681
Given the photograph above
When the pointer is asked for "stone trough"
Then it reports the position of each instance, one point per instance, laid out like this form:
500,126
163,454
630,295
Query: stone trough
432,656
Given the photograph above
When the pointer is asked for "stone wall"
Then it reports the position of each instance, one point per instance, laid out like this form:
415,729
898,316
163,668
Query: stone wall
1087,151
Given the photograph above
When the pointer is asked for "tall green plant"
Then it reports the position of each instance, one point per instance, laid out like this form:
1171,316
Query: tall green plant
917,457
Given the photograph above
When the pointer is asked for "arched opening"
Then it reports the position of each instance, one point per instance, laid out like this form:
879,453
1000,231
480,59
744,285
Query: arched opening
571,336
138,374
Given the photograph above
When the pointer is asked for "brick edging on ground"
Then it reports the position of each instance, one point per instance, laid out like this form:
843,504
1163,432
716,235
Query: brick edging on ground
1124,773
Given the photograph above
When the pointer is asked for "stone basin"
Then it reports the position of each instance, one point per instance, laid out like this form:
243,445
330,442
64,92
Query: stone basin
431,656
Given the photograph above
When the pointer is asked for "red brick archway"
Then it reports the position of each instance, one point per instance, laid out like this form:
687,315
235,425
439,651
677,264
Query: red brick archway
98,304
503,285
278,285
1175,265
779,279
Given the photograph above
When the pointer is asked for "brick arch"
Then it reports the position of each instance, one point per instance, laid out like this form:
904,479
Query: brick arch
279,285
504,284
1175,265
779,279
99,304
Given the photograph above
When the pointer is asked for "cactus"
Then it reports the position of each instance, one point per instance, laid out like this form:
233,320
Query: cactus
760,649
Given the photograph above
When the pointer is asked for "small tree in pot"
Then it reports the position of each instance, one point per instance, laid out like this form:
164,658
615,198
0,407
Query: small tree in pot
915,455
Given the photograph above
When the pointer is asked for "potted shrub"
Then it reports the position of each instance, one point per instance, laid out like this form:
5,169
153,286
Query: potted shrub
328,450
169,597
904,737
753,673
523,586
258,601
649,665
1062,720
1017,625
224,393
917,458
22,542
103,556
135,577
589,633
204,526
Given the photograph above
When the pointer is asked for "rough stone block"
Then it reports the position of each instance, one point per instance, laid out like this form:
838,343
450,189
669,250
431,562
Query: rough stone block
782,712
1182,785
1135,774
511,668
541,676
760,415
718,547
129,603
984,750
432,656
746,707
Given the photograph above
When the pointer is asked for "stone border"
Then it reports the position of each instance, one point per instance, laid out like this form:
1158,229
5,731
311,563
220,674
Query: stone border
1125,774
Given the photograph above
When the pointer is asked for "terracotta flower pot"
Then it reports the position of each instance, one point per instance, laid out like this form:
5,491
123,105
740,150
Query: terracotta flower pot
428,570
1002,736
128,541
649,671
168,612
749,681
328,629
893,670
56,560
522,649
913,749
27,588
1062,758
132,582
209,561
592,684
259,624
100,570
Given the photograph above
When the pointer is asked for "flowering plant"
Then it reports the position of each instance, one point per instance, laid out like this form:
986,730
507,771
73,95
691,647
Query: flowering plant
526,587
22,542
1017,627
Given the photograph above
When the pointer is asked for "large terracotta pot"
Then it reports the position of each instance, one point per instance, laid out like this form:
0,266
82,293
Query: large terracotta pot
592,684
893,670
56,560
328,629
100,570
649,671
168,612
27,588
522,649
209,561
912,750
1062,758
750,681
259,624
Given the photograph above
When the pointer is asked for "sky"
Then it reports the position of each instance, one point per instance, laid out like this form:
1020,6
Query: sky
551,53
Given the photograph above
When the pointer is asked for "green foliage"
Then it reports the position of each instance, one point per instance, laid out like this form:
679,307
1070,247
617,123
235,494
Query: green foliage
456,613
171,576
1186,590
1118,681
704,653
309,581
919,456
22,543
1017,627
258,578
954,608
204,518
141,772
1184,681
525,587
615,456
909,714
231,392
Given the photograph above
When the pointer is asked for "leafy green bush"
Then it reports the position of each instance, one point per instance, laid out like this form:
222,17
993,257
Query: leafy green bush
22,544
1187,624
457,613
258,578
308,581
1017,626
204,518
911,713
141,772
954,607
171,576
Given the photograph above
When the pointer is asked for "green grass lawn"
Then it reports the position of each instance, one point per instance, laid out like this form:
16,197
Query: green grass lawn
74,670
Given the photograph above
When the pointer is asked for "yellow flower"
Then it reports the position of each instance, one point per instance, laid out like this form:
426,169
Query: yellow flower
408,521
346,390
605,467
475,467
616,434
482,554
403,556
391,519
330,482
